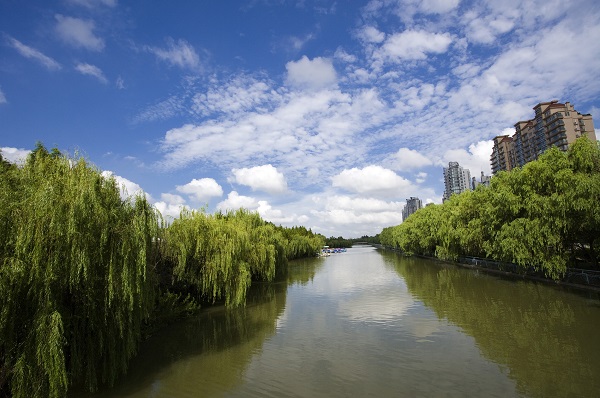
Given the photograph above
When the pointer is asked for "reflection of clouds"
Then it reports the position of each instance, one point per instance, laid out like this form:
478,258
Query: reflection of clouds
365,293
281,320
424,327
383,310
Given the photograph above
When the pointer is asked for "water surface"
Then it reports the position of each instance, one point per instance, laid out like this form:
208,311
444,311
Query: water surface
373,323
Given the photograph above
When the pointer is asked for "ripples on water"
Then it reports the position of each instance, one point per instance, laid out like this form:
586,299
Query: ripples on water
370,323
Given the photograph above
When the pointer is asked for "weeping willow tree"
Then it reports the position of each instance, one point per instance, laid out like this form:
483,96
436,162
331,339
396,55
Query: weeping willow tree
217,255
74,278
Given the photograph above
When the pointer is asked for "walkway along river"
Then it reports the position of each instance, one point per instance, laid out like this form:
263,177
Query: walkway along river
373,323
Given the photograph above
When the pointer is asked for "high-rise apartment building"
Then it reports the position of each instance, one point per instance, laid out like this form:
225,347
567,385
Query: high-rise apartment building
412,205
555,124
485,181
456,180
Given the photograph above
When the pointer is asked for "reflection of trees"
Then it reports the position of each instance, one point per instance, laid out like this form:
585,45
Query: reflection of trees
547,338
215,345
303,271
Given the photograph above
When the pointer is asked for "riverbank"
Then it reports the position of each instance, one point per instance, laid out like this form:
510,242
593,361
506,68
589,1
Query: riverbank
590,280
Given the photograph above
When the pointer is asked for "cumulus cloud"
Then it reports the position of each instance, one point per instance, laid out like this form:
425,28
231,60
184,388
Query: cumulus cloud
14,155
177,53
202,189
314,74
370,34
341,54
276,216
78,33
476,158
170,206
236,201
261,178
91,70
407,159
439,6
129,189
374,180
32,53
414,45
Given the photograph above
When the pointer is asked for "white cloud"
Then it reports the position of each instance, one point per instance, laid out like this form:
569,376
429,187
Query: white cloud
439,6
29,52
373,180
172,199
314,74
407,159
178,53
129,189
305,130
2,97
240,94
163,110
296,43
91,70
236,201
261,178
78,33
120,83
202,189
340,53
169,211
414,45
275,216
476,159
170,206
15,155
486,30
370,34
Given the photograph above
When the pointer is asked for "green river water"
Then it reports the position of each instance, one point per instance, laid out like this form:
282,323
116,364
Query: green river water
370,323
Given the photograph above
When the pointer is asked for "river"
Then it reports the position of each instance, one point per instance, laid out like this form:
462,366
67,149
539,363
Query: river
373,323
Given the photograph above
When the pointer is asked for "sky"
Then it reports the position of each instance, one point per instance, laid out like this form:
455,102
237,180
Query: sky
325,114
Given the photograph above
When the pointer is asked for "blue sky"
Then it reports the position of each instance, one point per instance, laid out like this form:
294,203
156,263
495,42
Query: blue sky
327,114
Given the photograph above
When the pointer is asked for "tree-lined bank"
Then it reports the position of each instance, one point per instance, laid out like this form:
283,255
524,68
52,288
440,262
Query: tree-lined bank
83,273
544,215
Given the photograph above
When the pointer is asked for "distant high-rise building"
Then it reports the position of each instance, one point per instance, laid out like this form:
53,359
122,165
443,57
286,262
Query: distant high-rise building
555,124
456,180
485,180
412,205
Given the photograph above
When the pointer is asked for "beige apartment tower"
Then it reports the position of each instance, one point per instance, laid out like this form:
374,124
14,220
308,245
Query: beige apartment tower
555,124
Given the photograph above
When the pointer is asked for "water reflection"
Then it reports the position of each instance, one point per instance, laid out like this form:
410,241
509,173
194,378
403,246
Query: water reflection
546,338
370,323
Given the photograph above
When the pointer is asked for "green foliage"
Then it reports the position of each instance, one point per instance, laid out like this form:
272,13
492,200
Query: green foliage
74,289
217,256
339,242
83,273
545,215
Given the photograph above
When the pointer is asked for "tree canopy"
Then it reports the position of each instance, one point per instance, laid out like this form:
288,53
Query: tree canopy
545,215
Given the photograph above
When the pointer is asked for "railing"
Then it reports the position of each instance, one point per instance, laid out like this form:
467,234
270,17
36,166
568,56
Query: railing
578,276
572,275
